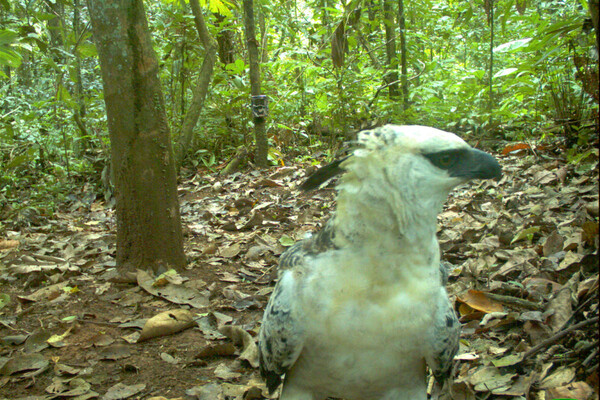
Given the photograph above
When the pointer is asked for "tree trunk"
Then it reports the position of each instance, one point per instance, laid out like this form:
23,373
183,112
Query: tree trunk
403,66
390,49
79,112
491,71
262,146
148,223
55,30
225,40
201,89
594,6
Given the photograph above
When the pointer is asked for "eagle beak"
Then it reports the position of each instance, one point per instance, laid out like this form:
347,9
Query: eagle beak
483,166
476,164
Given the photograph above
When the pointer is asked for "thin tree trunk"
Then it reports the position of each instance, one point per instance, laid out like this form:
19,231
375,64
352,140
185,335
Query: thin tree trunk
594,6
403,66
491,72
201,89
260,137
370,53
149,231
390,47
79,112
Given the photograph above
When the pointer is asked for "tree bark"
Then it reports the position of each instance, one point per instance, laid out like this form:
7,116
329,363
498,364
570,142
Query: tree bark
390,47
79,112
201,89
149,234
491,70
403,66
594,6
260,137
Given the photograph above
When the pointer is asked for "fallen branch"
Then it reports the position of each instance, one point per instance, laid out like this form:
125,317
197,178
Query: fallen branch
558,336
515,301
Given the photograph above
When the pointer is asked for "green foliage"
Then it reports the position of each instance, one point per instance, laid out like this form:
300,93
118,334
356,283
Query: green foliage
53,127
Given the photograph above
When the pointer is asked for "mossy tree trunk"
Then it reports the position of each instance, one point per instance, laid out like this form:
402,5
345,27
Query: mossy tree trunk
262,147
390,49
202,85
149,234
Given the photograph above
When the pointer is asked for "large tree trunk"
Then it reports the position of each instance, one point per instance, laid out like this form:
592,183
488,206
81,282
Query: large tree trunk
262,146
201,89
148,222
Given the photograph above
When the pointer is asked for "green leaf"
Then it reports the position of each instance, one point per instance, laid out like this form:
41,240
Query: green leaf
504,72
87,49
512,45
525,234
237,67
218,6
9,57
286,241
21,158
8,36
4,300
509,360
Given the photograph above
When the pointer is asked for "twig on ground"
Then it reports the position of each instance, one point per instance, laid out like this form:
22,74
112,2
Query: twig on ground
515,301
559,335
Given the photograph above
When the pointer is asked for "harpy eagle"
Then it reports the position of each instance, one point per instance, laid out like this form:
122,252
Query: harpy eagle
360,308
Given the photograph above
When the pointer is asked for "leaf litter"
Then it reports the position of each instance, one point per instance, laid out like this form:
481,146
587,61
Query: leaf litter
522,256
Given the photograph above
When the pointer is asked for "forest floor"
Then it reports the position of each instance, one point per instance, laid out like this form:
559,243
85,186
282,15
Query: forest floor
523,256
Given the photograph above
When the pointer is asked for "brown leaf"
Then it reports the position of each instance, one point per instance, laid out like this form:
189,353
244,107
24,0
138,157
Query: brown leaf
478,300
121,391
517,149
26,362
488,379
562,307
115,352
575,390
554,243
223,372
230,251
240,337
178,294
570,259
8,244
167,323
47,293
73,388
562,376
216,350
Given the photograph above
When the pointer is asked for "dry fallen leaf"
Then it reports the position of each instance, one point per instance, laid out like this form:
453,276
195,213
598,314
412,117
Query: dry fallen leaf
478,300
8,244
178,294
223,372
575,390
116,352
121,391
167,323
562,376
24,362
240,337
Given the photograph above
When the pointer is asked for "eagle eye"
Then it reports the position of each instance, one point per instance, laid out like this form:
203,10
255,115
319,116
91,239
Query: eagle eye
444,159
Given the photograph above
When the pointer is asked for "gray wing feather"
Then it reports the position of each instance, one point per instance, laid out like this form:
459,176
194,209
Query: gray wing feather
444,342
281,338
445,335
